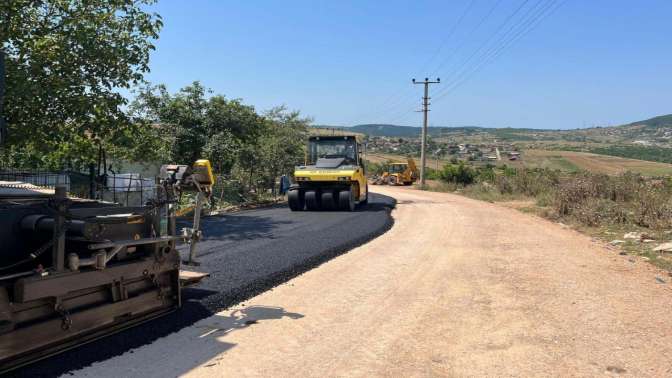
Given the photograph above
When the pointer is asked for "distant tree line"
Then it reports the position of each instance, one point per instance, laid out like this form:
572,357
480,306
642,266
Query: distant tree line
649,153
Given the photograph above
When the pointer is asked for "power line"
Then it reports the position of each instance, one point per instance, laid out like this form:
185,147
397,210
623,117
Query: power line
401,99
488,41
397,98
450,34
504,41
488,51
549,8
473,30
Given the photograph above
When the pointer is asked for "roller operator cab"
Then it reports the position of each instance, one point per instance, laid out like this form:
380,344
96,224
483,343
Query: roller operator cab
333,177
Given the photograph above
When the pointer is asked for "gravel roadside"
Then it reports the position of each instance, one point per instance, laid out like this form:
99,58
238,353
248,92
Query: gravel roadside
457,287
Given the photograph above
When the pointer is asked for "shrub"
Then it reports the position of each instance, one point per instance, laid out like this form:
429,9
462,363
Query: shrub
588,198
653,208
458,174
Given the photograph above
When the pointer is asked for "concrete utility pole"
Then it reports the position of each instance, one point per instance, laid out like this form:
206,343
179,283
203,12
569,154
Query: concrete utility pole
425,110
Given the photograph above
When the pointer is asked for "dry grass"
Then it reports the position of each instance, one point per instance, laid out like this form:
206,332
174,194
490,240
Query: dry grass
604,206
568,161
595,163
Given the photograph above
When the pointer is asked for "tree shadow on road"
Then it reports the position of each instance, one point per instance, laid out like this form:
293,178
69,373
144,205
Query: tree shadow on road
207,349
204,344
243,318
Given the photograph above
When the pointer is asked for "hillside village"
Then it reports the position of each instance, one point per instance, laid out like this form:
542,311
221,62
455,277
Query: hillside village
473,152
646,140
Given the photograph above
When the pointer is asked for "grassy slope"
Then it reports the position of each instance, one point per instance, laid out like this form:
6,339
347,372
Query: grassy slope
593,162
569,161
660,121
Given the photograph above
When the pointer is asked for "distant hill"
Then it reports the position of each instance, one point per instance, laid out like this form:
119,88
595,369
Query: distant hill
655,122
655,131
387,130
378,130
411,131
396,131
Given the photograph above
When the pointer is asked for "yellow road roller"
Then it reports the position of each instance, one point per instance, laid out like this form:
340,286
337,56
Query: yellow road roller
332,177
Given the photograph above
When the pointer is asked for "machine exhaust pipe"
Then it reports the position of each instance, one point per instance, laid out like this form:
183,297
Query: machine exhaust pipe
45,223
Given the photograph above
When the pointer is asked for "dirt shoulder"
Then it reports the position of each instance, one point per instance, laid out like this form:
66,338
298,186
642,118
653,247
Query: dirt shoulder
457,287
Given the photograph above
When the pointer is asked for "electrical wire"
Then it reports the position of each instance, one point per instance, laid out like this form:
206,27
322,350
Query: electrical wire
488,41
487,52
450,34
549,8
396,99
506,21
471,32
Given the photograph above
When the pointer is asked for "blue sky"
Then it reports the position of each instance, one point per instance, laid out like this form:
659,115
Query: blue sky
597,62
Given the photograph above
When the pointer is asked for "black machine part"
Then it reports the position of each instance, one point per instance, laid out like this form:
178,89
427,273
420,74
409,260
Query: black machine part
42,222
104,268
329,162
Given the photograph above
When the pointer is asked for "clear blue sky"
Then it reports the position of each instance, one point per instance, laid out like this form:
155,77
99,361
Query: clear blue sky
594,62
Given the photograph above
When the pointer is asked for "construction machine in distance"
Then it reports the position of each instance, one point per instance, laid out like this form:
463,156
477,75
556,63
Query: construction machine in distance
333,176
398,174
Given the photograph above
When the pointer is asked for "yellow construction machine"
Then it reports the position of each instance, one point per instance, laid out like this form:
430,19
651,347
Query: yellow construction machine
332,177
398,174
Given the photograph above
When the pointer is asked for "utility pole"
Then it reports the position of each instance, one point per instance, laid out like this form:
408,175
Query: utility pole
425,110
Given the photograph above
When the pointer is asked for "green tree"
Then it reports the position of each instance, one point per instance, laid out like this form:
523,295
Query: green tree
65,61
283,143
193,123
189,122
222,149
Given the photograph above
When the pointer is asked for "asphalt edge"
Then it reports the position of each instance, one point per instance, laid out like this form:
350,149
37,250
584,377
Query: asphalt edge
262,285
177,320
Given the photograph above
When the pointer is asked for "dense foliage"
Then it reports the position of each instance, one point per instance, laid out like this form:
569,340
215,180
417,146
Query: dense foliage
458,173
65,62
240,143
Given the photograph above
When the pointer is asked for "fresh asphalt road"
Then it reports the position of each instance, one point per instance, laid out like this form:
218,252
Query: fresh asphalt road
245,253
